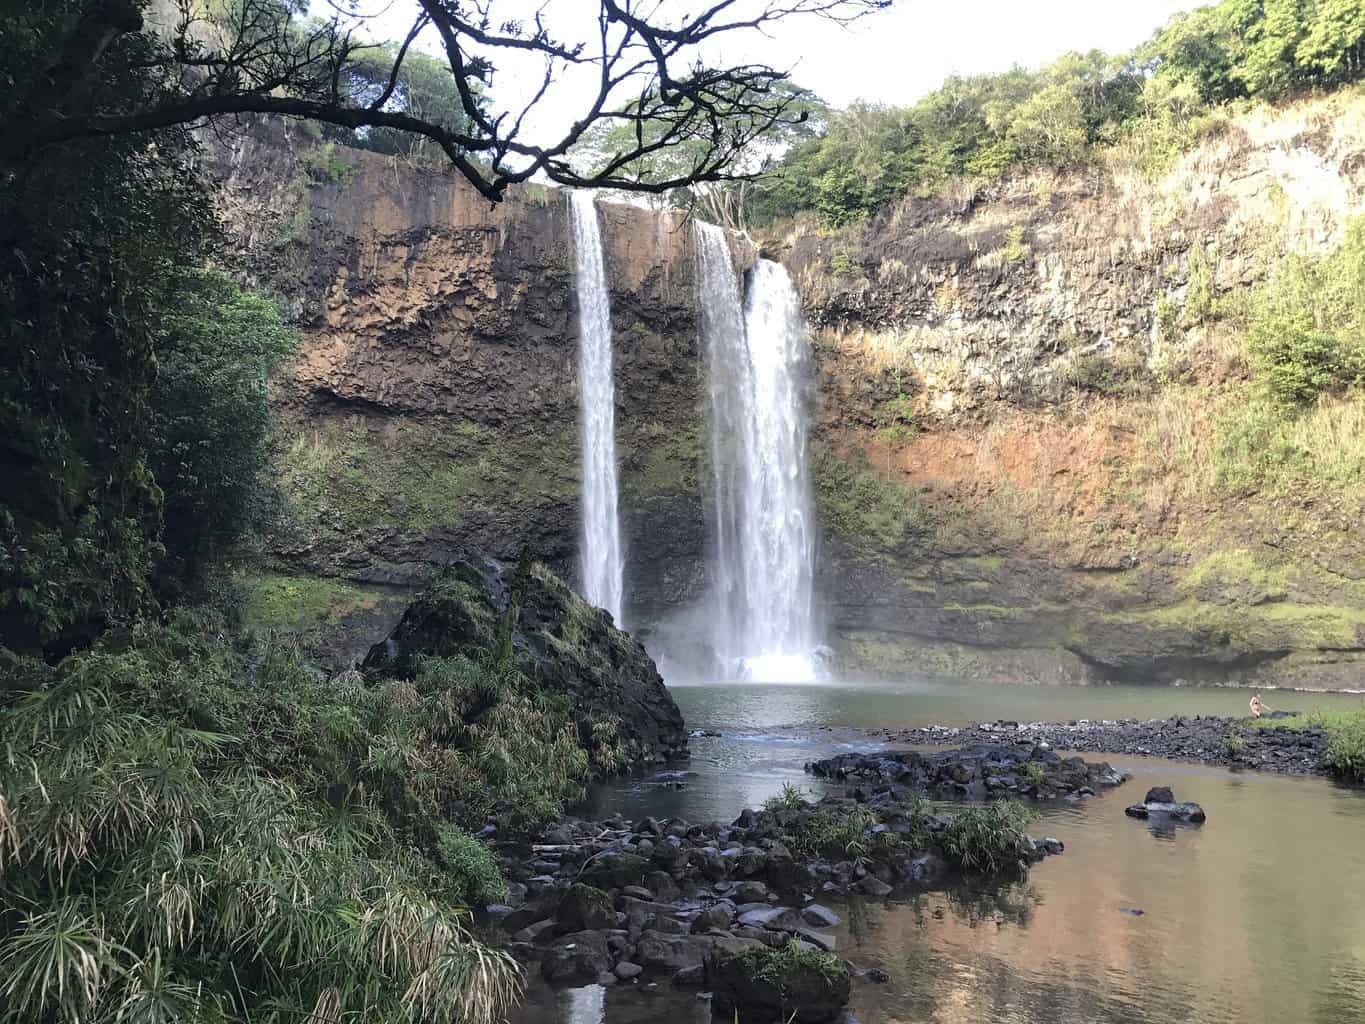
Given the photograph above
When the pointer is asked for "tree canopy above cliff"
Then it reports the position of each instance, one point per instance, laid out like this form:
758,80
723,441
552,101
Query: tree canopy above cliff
214,58
1056,116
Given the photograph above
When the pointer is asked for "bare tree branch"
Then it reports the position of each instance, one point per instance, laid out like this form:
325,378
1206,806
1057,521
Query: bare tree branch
262,57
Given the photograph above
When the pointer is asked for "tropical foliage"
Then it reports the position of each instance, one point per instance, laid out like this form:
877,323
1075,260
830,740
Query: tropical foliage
194,830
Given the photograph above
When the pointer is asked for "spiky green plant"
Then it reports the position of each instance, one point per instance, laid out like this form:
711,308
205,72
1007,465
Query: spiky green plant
989,837
180,844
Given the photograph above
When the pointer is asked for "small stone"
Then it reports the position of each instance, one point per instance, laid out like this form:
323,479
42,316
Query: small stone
626,970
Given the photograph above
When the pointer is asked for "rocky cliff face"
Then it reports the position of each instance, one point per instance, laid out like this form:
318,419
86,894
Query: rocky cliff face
1033,380
433,407
1005,372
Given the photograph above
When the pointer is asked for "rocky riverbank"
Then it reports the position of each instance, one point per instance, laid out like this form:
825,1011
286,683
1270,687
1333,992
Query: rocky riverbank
1207,739
611,900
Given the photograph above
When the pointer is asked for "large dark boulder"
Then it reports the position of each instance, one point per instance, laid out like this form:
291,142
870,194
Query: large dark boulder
483,609
585,908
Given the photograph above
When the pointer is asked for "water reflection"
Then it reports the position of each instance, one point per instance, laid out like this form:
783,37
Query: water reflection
586,1005
1257,917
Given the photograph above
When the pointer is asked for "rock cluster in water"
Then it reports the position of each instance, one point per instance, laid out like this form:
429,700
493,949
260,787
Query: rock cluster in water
1207,739
972,773
610,900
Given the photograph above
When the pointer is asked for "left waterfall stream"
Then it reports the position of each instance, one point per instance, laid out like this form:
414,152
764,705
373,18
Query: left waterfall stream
602,559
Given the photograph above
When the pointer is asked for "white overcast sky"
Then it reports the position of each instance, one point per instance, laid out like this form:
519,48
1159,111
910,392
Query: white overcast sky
892,56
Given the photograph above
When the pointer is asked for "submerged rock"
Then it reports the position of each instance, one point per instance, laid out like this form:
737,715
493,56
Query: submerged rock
1160,802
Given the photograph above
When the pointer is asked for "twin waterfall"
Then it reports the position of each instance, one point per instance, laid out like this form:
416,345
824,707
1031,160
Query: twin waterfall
603,563
762,509
764,535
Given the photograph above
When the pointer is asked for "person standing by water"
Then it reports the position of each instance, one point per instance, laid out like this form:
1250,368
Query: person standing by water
1256,705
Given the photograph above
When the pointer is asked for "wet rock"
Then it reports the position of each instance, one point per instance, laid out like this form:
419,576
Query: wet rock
670,925
769,917
610,677
873,886
662,885
582,955
972,772
690,977
749,892
820,940
659,951
612,870
718,915
820,916
1200,738
532,932
1161,804
626,970
585,908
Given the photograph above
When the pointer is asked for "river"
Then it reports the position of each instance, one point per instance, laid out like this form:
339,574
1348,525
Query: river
1257,917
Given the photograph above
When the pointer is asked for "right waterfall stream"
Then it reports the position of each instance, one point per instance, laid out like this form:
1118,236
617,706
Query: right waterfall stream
764,522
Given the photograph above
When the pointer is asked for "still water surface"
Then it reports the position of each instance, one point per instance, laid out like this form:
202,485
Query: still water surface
1258,917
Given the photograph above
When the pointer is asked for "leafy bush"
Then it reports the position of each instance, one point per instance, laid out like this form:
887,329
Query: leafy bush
1307,329
1033,773
472,870
1345,753
988,838
211,424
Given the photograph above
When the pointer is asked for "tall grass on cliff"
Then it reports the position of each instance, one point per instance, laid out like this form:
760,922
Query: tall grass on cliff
193,831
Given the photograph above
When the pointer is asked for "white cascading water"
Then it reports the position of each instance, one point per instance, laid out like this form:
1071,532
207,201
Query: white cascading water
764,519
602,561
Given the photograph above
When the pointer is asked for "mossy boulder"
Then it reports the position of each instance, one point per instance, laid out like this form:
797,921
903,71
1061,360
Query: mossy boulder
793,984
586,907
483,609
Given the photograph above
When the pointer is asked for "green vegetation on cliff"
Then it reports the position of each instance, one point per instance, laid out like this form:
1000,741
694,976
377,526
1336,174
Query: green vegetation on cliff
1145,105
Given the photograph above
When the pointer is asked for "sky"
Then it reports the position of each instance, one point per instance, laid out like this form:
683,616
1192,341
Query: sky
893,56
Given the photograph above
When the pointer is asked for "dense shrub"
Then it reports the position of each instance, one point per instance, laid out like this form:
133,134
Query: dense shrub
131,380
1345,754
210,422
1307,330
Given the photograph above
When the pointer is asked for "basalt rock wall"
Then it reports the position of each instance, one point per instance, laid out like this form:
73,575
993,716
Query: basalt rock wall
991,362
433,406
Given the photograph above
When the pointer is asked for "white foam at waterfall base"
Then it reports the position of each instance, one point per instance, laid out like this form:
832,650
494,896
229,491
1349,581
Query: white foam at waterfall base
602,560
764,541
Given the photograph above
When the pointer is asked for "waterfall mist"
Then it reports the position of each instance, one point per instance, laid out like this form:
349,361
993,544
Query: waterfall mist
602,560
764,523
